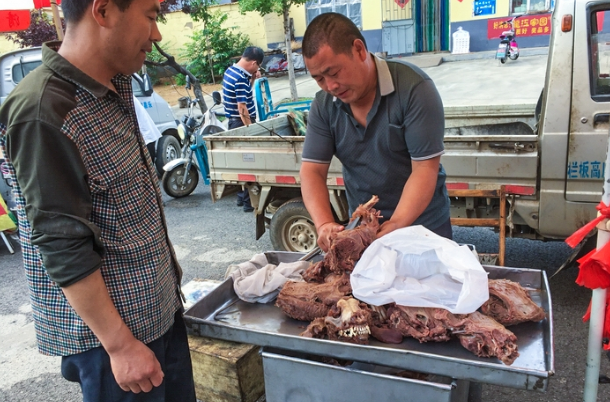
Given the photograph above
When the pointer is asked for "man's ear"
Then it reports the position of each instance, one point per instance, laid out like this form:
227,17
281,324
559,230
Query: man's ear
359,49
99,10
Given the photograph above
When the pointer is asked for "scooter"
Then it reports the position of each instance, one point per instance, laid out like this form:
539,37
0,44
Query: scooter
508,47
182,175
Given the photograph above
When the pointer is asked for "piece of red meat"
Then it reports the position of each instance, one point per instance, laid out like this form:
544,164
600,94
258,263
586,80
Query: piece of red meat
510,304
306,301
347,246
423,323
485,337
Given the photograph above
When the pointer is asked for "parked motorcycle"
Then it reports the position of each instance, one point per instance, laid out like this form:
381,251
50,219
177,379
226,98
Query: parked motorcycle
508,47
182,175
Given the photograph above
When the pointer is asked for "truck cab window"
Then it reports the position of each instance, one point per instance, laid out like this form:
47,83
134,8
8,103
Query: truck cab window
600,54
22,69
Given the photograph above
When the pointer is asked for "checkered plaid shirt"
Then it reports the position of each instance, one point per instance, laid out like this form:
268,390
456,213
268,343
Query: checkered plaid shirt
87,198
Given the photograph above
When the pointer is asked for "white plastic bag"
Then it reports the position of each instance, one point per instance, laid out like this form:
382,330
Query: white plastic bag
415,267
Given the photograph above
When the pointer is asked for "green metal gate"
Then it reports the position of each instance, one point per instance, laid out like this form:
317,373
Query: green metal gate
431,25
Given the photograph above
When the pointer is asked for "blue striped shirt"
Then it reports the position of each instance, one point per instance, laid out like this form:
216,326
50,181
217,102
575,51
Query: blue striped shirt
236,89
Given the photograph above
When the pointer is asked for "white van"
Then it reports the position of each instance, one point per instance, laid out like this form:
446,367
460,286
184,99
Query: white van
17,64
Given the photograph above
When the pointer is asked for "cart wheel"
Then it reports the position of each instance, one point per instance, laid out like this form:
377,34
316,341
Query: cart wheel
514,56
502,60
292,228
175,184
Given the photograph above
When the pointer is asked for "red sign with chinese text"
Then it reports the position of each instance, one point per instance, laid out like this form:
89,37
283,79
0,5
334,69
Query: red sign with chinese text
14,20
44,3
528,25
401,3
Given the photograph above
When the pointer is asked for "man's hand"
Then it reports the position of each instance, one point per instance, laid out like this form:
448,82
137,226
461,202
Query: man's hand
257,74
135,367
387,227
325,232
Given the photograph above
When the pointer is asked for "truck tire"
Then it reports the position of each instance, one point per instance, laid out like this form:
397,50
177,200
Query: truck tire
168,148
292,228
175,185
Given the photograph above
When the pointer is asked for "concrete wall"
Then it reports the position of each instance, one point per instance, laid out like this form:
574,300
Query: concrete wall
6,45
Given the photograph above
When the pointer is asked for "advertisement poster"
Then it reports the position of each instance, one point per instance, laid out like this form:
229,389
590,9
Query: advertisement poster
528,25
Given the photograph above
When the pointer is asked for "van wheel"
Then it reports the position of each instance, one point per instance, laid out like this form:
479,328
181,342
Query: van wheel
292,228
168,149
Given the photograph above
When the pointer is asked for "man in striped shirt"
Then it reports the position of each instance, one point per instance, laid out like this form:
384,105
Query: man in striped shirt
238,101
237,88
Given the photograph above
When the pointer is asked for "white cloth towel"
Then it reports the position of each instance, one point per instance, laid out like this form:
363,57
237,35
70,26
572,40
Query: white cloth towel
257,281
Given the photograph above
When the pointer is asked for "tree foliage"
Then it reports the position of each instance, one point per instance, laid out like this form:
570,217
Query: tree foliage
215,45
280,7
41,30
265,7
198,9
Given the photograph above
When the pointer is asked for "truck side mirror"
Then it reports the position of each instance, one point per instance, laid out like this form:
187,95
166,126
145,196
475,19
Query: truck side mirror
216,97
147,86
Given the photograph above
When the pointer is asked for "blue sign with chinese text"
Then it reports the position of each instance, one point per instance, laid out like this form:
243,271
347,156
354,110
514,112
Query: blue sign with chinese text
484,7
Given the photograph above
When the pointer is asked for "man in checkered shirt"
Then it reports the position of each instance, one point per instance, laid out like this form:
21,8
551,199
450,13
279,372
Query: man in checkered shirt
103,276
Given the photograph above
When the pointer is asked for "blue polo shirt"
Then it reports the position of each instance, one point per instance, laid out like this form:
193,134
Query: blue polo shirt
406,123
236,89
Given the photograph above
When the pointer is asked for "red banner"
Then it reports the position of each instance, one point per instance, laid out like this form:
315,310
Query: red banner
528,25
14,20
44,3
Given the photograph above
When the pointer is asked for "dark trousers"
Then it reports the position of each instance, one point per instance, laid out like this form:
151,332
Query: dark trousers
444,230
243,197
91,369
235,122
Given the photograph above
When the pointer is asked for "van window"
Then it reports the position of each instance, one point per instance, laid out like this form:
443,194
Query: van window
136,88
599,51
20,70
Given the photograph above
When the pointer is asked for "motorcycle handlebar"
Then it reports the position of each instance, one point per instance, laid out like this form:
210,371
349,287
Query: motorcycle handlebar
171,62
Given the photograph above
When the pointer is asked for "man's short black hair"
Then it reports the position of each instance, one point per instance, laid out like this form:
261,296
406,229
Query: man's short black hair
74,10
332,29
253,53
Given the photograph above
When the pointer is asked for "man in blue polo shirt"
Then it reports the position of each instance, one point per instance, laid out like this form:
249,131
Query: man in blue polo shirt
384,121
238,101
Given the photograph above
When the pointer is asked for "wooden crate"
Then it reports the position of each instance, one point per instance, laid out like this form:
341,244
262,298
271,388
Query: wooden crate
226,371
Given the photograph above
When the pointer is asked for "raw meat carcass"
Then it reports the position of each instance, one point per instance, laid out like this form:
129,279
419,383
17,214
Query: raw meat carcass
347,321
423,323
347,246
478,333
510,304
485,337
306,301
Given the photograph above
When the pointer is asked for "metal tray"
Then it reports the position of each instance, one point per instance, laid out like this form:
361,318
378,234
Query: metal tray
221,314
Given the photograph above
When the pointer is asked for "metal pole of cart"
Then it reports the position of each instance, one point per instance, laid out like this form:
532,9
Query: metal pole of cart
598,305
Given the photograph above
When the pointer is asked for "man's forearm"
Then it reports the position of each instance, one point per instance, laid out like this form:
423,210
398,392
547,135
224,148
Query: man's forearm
243,114
90,299
315,196
416,195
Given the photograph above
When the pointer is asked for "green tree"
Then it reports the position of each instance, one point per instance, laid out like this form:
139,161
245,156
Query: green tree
210,51
280,7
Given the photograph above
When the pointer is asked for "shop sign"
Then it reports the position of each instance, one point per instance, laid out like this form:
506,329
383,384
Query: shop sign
527,25
484,7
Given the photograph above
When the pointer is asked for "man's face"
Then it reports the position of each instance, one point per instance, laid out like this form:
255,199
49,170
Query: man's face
340,75
131,34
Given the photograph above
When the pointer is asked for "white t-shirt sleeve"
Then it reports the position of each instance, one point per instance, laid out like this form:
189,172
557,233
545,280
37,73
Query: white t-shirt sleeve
149,130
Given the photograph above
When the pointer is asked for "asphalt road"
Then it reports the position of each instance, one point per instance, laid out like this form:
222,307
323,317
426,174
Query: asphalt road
208,237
